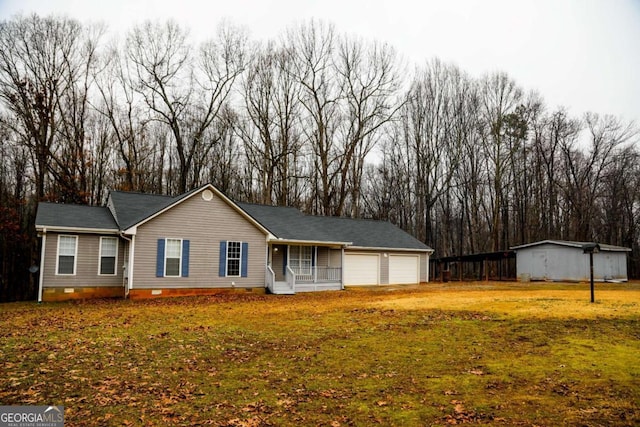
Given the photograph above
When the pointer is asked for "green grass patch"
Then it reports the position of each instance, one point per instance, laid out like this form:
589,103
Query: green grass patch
497,354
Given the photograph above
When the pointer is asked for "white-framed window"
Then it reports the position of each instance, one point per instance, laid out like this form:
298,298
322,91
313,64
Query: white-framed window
108,256
67,255
234,257
300,259
173,258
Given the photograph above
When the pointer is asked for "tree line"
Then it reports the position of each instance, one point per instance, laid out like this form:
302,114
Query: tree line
326,122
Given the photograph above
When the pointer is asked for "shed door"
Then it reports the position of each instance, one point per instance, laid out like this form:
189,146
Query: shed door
539,265
404,269
361,269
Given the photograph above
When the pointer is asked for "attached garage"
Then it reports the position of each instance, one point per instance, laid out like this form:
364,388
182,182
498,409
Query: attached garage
361,269
348,252
370,268
404,269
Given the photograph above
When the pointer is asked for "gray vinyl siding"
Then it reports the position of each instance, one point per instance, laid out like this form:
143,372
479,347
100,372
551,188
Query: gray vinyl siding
323,257
204,224
328,257
384,268
424,267
87,263
335,258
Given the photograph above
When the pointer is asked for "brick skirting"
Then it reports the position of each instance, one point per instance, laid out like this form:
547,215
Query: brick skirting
63,294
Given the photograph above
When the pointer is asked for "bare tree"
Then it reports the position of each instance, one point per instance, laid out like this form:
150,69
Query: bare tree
227,156
127,116
186,92
272,131
583,171
348,93
500,97
518,126
74,154
313,45
44,81
370,80
434,98
549,134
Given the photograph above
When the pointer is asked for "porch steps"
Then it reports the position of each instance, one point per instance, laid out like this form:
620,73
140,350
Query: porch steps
282,288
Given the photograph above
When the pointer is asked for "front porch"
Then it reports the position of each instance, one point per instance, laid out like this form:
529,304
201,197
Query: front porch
303,268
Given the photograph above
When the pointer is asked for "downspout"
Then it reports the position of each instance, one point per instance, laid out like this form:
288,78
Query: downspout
130,266
42,252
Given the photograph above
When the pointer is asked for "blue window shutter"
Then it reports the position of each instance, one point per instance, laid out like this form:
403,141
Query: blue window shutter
245,259
185,258
160,259
313,256
222,268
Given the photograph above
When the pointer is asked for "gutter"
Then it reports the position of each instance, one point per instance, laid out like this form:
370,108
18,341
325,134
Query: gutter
308,242
387,249
77,230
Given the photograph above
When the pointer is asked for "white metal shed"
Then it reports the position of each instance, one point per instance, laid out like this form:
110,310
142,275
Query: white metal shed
561,260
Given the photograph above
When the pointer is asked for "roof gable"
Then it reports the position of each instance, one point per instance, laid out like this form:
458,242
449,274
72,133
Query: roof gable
135,209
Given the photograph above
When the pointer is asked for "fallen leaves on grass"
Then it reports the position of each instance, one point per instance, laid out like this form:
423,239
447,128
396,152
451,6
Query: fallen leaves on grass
344,358
462,415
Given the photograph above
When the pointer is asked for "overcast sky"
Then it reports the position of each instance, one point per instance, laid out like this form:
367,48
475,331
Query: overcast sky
581,54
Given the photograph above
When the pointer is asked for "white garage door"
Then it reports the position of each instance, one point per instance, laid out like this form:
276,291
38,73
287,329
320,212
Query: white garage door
403,269
361,269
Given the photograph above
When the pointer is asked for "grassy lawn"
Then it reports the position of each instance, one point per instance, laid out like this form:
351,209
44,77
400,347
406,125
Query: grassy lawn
475,353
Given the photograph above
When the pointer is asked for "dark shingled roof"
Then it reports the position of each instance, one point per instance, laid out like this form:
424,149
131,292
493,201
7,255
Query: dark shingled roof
131,208
290,224
76,216
372,234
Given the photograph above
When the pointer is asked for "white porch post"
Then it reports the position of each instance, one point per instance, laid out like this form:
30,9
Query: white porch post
269,254
342,268
315,264
269,258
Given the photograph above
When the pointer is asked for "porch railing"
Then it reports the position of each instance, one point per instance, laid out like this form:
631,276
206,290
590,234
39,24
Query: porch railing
318,274
269,278
290,277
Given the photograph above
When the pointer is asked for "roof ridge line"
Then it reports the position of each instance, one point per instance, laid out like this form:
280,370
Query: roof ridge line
141,193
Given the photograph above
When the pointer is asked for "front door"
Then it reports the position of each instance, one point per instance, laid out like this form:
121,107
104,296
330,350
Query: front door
278,256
